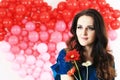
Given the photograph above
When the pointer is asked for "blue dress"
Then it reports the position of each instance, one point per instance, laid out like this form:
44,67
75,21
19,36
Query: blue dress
62,67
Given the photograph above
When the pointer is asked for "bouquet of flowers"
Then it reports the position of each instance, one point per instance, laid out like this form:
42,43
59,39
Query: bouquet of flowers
74,56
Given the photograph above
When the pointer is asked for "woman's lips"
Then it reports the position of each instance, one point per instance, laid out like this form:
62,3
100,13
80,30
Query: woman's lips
84,38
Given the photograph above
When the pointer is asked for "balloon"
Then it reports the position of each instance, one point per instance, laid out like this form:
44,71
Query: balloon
23,45
65,36
30,60
22,72
56,37
30,26
16,30
39,63
51,46
2,12
43,28
60,26
5,46
112,34
7,22
29,77
61,6
20,9
115,24
60,45
13,40
44,17
28,51
47,66
44,36
43,76
10,56
33,36
20,58
16,66
42,48
15,49
45,56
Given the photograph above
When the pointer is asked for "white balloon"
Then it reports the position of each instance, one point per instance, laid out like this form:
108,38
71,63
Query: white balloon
45,57
30,60
42,47
60,46
44,74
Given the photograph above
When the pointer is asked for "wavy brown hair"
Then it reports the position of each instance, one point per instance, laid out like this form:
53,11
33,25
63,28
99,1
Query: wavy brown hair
102,59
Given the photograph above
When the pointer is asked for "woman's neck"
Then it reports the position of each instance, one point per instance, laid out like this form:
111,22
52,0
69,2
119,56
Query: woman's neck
87,53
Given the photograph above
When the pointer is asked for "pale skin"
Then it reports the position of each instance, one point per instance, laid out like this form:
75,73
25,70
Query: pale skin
86,35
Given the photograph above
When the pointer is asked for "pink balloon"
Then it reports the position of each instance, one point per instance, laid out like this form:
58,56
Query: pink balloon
56,37
20,58
10,56
24,33
28,51
65,36
51,46
22,72
16,30
23,45
15,49
44,36
39,63
60,26
43,28
33,36
112,34
30,26
13,40
47,66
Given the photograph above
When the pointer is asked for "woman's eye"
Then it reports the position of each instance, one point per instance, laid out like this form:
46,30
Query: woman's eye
91,28
79,27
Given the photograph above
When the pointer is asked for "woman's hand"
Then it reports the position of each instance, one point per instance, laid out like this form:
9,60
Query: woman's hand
66,77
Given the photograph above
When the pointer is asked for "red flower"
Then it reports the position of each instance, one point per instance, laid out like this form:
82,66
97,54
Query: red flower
71,71
72,56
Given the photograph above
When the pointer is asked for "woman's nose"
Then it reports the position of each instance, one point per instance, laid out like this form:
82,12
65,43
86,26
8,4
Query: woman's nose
84,31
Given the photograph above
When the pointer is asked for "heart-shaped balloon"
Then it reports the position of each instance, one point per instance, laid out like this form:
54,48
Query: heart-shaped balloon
36,32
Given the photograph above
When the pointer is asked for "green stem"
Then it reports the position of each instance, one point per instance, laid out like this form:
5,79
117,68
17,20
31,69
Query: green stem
77,70
87,73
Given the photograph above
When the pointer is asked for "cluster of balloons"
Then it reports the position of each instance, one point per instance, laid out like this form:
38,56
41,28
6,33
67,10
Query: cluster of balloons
36,32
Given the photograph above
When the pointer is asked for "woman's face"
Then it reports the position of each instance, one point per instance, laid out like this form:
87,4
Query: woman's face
85,30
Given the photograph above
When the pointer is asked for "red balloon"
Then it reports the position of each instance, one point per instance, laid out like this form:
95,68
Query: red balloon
2,12
51,24
1,37
67,15
20,9
115,24
61,5
7,22
38,2
44,17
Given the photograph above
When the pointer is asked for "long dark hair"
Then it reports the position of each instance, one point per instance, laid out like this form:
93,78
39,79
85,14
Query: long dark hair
102,59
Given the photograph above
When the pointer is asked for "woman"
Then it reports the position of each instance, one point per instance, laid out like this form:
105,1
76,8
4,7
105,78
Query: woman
90,40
